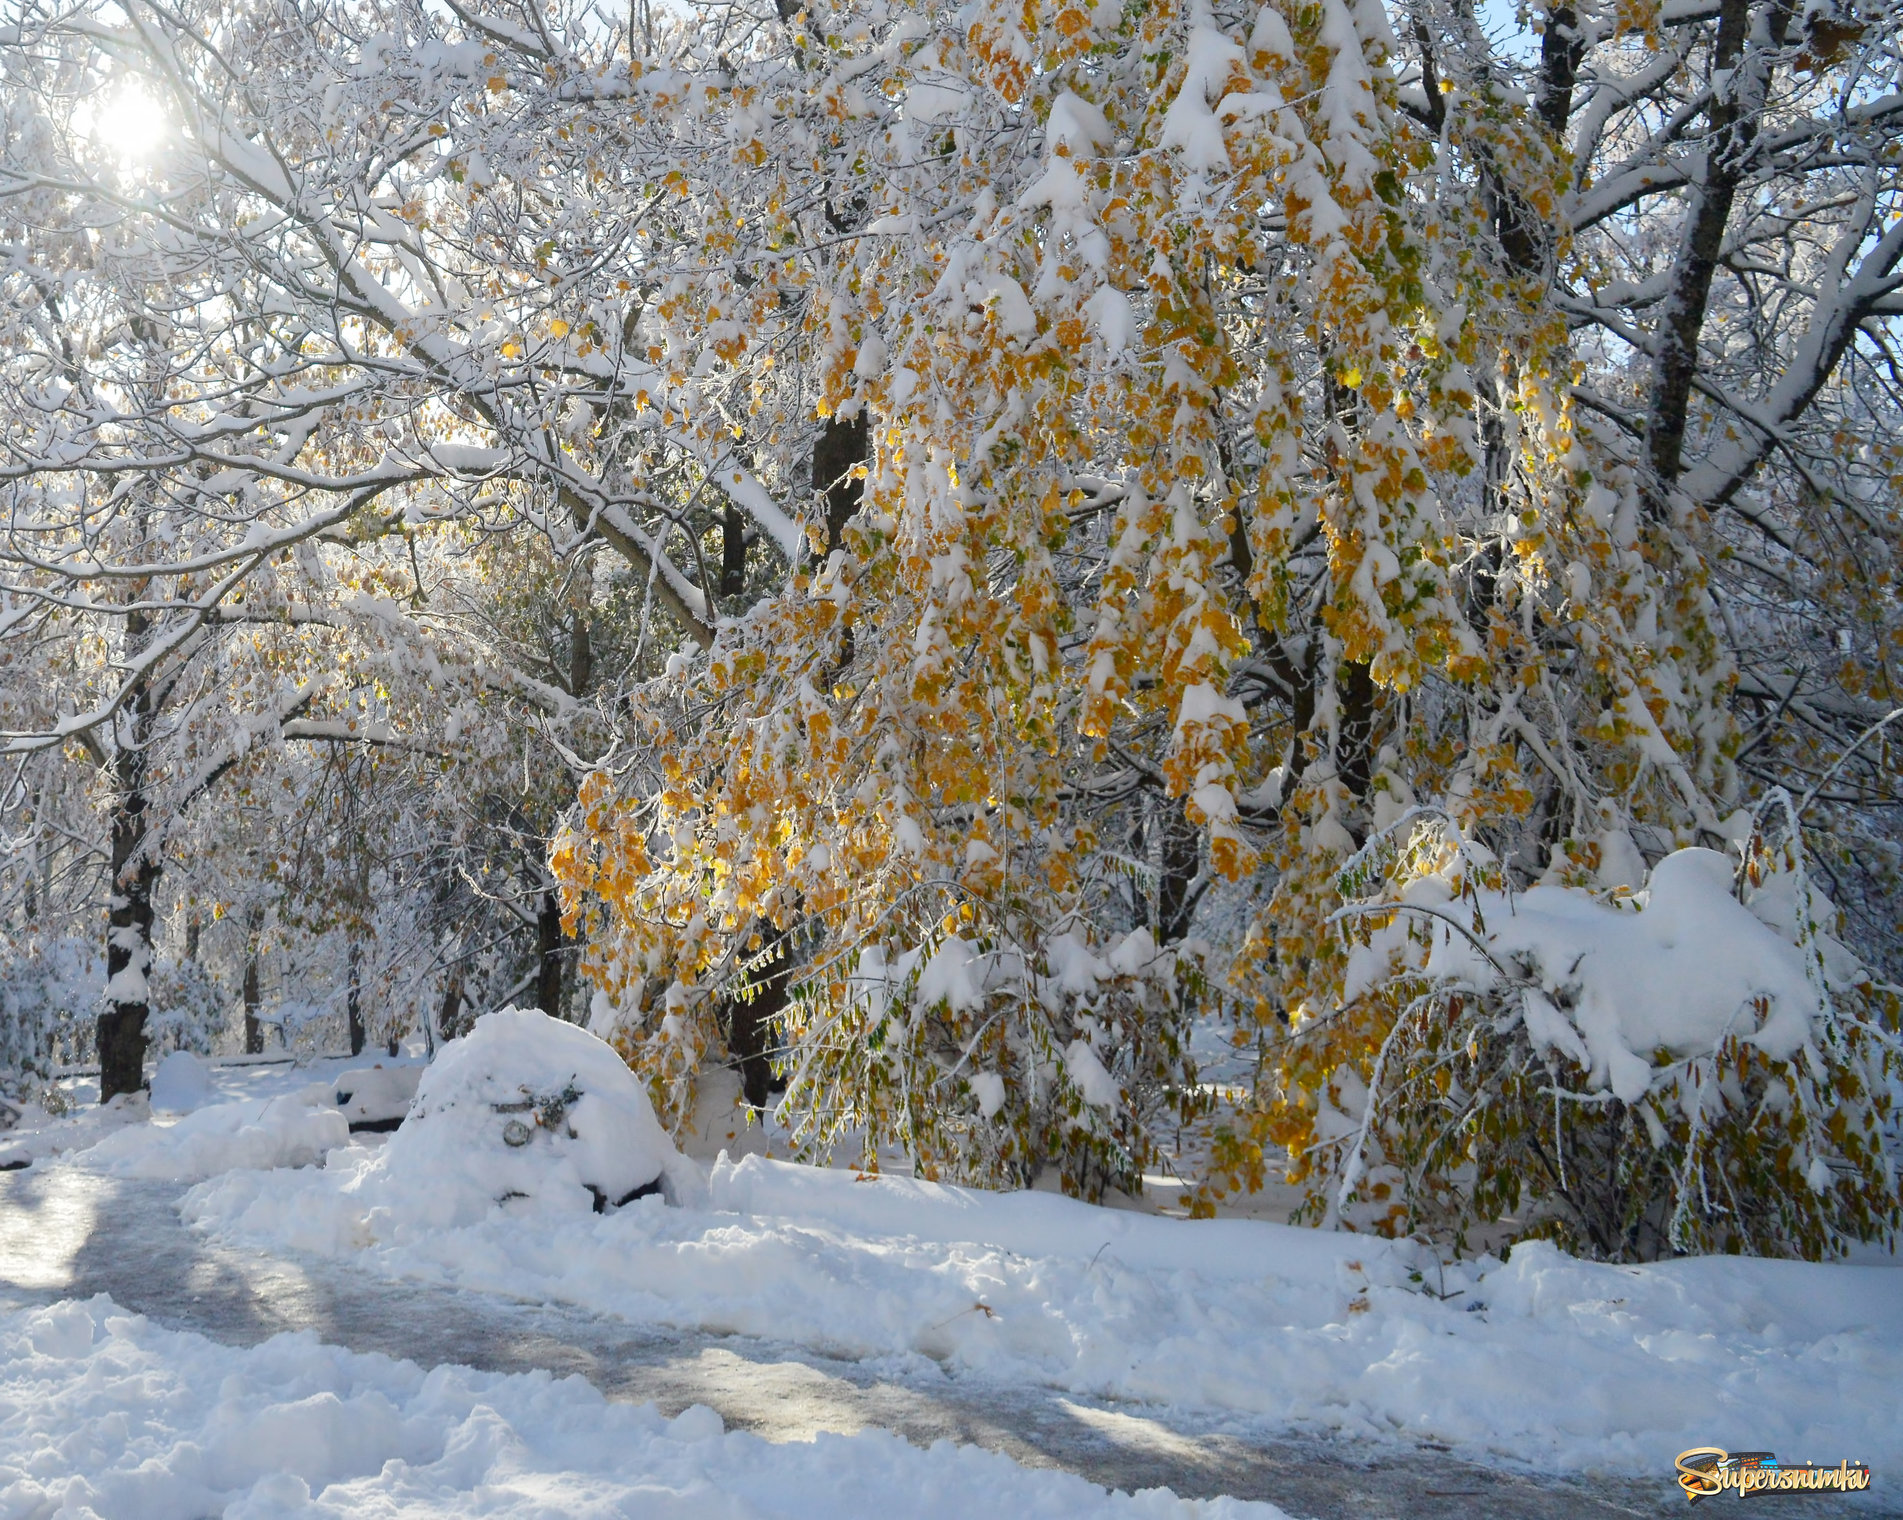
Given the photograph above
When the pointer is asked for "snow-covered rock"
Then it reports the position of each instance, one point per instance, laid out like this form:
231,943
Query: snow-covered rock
181,1083
250,1136
375,1097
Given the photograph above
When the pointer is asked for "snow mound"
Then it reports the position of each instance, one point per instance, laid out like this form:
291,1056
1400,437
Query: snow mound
40,1134
376,1097
255,1135
526,1111
181,1083
107,1414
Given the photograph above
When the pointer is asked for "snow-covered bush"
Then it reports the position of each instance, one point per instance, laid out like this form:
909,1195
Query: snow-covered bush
49,993
994,1062
189,1010
1696,1066
524,1110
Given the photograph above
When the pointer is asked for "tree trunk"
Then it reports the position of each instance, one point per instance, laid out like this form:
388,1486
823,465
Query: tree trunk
581,655
121,1028
841,447
550,946
253,988
750,1016
733,552
1179,861
31,896
135,874
1355,697
353,1000
452,1007
1734,118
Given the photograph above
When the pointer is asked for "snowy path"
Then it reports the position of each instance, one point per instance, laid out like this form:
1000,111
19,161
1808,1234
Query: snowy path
67,1233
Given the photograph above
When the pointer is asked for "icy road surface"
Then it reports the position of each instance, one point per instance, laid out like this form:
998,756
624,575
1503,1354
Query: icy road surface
70,1233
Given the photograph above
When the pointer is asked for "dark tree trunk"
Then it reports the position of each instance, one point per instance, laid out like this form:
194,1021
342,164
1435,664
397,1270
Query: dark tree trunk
841,447
452,1006
135,875
353,1000
1179,861
1562,46
1526,237
31,896
253,991
751,1016
1354,755
581,656
1734,120
551,947
121,1029
1355,694
733,552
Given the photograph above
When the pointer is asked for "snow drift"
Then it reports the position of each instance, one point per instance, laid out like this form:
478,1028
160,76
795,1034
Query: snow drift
181,1083
39,1134
375,1098
255,1135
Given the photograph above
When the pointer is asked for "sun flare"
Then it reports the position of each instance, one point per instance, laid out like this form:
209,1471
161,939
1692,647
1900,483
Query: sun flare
129,122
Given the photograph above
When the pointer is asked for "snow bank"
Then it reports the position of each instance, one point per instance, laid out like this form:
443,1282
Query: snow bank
40,1134
1307,1329
288,1131
85,1122
103,1413
181,1083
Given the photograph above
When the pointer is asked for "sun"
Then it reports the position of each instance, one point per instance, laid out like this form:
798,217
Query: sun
129,122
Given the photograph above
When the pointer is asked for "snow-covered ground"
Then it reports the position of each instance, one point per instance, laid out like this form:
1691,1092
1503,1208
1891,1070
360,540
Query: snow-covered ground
1543,1361
251,1080
105,1416
1314,1330
233,1078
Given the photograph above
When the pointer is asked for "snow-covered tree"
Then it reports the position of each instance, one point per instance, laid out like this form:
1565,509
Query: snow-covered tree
1243,425
294,330
1091,505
